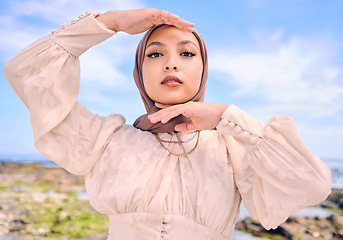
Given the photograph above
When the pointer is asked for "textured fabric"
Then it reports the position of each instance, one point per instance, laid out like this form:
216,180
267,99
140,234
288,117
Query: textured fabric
148,193
143,122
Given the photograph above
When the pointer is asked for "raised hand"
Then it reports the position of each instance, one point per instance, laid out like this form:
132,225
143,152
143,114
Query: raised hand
203,115
140,20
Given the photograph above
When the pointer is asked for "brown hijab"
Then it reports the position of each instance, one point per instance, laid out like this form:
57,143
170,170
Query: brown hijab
143,122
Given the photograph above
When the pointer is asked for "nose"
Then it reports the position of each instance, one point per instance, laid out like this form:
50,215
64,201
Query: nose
171,64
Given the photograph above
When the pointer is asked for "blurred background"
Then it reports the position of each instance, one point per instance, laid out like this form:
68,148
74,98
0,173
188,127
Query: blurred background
267,57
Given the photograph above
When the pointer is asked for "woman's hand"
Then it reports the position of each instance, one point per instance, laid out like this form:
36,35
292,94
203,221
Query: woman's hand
140,20
203,115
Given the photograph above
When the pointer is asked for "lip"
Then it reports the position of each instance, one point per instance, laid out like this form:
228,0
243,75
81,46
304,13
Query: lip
171,81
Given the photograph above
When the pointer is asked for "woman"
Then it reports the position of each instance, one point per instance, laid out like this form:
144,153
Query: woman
183,169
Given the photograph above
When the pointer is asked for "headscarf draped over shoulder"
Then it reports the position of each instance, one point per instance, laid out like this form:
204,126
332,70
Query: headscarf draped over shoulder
143,122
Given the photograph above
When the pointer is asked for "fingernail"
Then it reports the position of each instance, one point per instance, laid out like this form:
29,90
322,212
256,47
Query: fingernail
153,120
190,29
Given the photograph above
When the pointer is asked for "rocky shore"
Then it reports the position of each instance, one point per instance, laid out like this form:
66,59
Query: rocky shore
329,227
39,203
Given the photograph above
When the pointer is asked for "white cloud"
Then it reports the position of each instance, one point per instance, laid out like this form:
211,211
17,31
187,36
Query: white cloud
57,11
15,35
300,75
103,67
324,141
18,25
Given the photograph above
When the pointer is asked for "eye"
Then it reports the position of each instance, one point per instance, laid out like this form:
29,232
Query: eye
154,55
188,54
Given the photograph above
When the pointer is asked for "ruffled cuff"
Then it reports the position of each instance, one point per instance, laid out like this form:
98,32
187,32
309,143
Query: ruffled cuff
237,123
81,34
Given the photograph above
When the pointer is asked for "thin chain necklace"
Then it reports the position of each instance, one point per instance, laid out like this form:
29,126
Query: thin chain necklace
184,154
169,141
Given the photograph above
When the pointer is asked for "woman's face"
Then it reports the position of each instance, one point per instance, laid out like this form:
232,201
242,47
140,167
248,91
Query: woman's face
172,66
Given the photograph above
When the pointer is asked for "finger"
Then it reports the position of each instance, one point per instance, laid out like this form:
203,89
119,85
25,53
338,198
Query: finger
171,112
185,127
189,29
164,115
161,105
162,16
159,16
160,116
181,24
156,116
171,16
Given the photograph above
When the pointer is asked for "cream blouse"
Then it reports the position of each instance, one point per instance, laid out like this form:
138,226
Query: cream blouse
147,192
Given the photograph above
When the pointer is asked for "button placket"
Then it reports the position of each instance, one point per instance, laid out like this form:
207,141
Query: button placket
165,227
75,21
237,130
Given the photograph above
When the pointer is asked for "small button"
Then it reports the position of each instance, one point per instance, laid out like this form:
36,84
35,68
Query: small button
245,134
224,122
232,125
166,219
165,236
237,129
166,228
253,139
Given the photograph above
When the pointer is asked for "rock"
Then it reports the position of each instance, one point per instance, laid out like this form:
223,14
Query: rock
334,200
32,188
3,229
100,236
63,215
17,225
251,225
39,198
329,228
336,221
324,228
42,231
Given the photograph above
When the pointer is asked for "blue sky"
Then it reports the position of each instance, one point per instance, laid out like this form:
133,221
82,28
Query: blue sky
267,57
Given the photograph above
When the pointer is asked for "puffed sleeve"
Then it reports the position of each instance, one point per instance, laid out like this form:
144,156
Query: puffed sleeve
275,172
45,75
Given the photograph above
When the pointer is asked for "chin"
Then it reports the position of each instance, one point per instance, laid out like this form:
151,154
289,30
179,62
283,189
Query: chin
172,101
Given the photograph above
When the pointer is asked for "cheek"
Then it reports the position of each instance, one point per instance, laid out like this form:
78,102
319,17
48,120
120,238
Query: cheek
144,71
197,72
148,79
149,70
145,74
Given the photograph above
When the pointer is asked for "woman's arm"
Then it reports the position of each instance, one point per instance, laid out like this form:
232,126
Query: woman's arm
202,115
274,170
140,20
46,75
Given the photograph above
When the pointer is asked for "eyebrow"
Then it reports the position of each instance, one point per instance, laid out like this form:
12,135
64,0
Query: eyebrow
155,44
184,42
